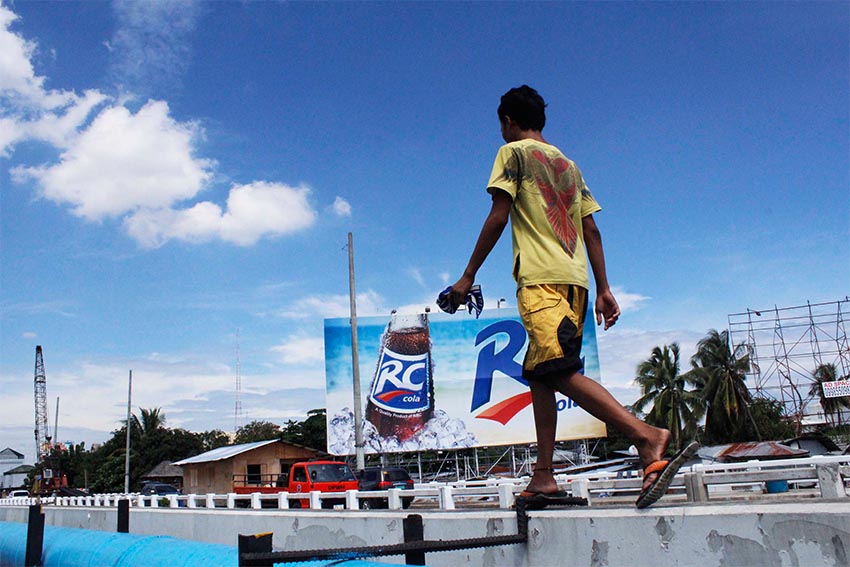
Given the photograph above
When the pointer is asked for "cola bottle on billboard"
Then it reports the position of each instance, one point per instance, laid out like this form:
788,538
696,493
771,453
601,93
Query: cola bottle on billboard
401,398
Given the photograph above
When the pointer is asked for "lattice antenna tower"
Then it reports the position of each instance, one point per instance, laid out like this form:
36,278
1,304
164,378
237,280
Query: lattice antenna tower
237,409
42,434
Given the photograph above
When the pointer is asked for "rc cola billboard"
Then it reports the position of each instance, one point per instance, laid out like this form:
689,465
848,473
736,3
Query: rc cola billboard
440,381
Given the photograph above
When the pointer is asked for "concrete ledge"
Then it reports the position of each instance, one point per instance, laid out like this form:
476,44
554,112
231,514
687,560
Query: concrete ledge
781,533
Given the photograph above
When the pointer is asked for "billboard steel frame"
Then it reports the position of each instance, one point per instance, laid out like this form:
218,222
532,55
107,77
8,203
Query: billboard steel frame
786,344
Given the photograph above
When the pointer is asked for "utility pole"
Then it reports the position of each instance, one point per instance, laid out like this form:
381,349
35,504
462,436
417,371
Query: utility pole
355,362
127,448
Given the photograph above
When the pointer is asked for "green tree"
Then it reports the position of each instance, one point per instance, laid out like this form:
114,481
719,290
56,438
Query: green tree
719,373
150,444
257,431
664,388
831,406
213,439
312,432
770,420
152,420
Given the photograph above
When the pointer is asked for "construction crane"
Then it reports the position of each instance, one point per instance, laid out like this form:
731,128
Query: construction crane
42,434
51,480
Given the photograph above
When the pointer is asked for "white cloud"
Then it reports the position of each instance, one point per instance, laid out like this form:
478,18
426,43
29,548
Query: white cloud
330,306
151,48
60,127
253,212
140,166
29,111
416,275
301,350
28,335
123,162
18,81
628,301
621,350
341,207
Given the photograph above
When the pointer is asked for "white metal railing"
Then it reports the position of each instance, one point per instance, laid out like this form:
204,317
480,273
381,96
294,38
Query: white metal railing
831,474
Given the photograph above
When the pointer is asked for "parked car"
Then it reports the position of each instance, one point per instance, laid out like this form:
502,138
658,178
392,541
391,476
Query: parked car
384,478
159,489
19,494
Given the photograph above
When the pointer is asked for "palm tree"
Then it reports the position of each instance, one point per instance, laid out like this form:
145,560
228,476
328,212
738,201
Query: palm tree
152,420
673,407
720,373
831,406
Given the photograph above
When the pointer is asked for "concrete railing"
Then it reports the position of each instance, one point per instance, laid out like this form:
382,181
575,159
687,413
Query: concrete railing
698,483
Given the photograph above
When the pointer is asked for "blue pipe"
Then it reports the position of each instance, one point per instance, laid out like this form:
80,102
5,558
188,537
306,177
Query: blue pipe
71,547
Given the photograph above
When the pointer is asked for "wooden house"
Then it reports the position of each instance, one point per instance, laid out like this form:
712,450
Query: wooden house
263,463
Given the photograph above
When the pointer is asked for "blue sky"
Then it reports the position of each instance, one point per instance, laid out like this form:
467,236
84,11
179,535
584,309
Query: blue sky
177,179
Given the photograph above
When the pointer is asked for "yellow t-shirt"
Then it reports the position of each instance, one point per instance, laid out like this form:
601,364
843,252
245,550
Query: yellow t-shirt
549,200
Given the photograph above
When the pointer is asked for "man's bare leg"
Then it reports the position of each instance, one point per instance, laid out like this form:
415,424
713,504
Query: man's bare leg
545,423
651,442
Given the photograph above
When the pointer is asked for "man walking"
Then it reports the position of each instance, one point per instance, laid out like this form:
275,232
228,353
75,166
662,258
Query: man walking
551,211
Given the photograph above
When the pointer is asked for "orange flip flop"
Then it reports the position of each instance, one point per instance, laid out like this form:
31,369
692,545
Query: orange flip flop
666,470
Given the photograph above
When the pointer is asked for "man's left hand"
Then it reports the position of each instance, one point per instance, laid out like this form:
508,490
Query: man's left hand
607,309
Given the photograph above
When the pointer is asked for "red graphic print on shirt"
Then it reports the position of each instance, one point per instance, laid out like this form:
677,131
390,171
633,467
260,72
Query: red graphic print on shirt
547,174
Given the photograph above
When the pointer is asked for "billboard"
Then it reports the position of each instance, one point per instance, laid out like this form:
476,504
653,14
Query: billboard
466,391
833,389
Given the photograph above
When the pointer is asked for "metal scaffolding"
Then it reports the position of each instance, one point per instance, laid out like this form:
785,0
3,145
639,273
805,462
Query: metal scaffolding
786,345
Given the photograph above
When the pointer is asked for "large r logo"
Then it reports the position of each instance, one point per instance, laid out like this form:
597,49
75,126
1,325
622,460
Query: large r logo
489,360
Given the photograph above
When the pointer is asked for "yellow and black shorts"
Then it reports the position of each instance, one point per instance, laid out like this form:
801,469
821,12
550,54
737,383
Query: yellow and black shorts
553,316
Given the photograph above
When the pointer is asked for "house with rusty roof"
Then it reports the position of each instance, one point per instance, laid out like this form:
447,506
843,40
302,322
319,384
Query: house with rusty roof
750,451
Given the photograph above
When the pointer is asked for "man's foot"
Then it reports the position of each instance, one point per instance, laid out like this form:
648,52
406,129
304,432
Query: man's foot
652,449
663,473
543,482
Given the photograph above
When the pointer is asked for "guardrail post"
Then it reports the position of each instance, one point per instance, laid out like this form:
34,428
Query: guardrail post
210,503
190,501
581,488
283,500
506,496
351,500
315,500
35,536
394,501
255,501
695,487
447,500
414,530
231,500
830,482
123,516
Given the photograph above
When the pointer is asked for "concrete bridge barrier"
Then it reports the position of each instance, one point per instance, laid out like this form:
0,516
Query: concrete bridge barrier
783,531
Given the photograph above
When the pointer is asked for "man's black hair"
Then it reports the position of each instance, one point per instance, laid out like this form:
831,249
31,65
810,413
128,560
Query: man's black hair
525,107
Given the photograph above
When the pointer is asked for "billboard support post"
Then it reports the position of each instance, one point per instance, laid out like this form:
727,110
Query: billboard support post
355,362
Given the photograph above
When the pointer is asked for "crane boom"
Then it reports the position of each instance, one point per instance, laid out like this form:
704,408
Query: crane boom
42,435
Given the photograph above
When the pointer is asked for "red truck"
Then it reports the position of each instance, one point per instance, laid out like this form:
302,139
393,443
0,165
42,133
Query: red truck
303,477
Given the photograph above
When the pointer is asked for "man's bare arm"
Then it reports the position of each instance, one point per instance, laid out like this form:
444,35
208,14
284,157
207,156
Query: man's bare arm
606,305
492,230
